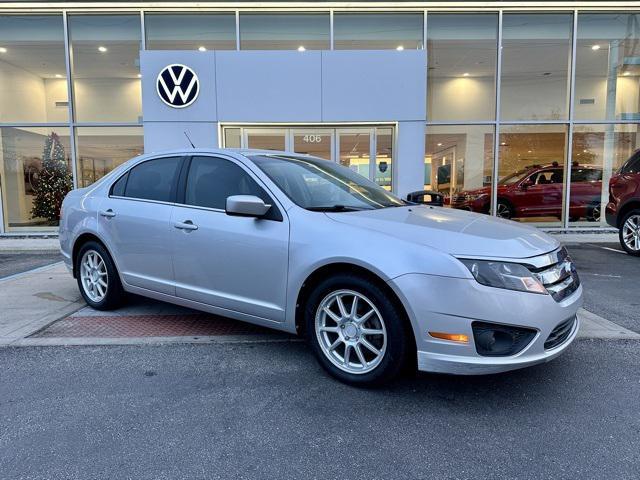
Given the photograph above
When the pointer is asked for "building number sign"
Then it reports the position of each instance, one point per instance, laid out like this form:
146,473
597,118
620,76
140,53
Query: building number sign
312,138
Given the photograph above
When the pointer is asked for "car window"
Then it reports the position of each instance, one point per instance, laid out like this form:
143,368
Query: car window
585,175
118,188
211,180
632,165
153,179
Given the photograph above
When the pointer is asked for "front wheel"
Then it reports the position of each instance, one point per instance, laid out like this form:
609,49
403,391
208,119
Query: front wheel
630,233
356,331
504,210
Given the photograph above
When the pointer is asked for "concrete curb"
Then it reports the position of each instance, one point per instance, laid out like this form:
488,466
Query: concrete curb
594,326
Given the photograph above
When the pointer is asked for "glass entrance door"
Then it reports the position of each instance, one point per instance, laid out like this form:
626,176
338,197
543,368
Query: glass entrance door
265,138
367,150
313,141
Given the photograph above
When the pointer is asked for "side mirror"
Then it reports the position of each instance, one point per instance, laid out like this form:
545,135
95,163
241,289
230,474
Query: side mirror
426,197
246,206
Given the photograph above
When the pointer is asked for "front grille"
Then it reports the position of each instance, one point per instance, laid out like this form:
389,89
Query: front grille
559,334
560,277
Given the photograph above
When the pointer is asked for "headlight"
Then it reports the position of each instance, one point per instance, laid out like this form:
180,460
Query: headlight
511,276
473,198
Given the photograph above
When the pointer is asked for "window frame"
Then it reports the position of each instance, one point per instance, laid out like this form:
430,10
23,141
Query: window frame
274,213
174,186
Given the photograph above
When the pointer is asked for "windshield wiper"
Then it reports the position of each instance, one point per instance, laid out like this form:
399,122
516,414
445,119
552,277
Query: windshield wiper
336,208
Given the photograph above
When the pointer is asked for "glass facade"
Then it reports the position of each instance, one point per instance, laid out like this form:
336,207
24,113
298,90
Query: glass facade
513,109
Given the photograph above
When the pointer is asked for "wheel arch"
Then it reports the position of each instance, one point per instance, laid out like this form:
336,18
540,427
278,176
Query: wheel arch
314,278
626,208
80,241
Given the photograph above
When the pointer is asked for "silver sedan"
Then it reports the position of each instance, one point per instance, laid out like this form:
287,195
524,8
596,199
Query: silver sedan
307,246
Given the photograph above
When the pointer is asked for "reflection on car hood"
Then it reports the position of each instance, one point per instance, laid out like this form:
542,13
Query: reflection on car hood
453,231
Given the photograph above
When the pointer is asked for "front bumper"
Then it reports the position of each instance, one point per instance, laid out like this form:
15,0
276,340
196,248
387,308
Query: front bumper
443,304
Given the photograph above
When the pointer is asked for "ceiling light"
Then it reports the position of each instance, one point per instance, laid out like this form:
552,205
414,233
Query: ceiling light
3,50
529,151
102,49
399,48
439,144
503,143
595,47
57,75
139,75
465,74
301,48
626,74
202,48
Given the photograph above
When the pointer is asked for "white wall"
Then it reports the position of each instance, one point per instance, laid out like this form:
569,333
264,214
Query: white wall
108,100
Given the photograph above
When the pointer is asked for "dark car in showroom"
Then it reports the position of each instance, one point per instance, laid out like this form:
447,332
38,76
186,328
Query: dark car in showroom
623,209
536,191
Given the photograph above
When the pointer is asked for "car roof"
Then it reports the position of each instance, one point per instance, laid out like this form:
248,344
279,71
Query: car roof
242,151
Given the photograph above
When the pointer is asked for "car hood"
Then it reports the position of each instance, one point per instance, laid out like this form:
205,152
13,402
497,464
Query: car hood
456,232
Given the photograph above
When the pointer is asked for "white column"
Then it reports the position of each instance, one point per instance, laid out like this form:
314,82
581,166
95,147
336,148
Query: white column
409,158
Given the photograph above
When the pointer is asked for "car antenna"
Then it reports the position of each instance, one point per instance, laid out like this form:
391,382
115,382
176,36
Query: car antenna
186,135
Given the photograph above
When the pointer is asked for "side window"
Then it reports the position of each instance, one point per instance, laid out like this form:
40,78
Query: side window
153,179
632,165
211,180
118,188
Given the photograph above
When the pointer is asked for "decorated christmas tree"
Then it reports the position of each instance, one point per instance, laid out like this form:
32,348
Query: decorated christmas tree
54,181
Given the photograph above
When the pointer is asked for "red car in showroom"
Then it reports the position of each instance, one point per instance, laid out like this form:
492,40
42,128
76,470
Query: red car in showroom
623,209
536,191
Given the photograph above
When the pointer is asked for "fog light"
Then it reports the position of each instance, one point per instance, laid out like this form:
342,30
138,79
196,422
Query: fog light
452,337
494,340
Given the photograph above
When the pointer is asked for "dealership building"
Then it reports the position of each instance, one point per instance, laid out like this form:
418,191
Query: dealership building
448,96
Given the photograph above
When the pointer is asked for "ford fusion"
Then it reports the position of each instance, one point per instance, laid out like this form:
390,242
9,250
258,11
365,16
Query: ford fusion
307,246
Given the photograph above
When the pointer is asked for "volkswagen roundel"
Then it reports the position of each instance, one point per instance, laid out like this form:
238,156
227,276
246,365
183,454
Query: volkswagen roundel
177,85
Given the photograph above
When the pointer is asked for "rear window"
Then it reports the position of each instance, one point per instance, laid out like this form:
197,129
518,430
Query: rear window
153,179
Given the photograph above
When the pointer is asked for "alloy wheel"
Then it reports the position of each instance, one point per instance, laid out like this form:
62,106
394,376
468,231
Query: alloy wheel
503,211
631,233
94,276
351,332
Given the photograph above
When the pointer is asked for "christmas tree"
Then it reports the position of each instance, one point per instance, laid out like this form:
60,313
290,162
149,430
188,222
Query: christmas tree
54,181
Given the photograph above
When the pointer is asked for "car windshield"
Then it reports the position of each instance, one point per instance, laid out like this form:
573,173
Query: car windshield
513,178
322,185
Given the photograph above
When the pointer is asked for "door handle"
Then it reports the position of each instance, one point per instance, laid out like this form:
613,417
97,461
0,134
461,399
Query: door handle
108,213
186,225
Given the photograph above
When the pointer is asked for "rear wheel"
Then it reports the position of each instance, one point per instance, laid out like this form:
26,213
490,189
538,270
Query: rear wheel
630,233
355,330
98,278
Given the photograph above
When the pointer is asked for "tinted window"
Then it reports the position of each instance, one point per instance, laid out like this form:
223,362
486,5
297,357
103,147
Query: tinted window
154,179
118,187
586,175
632,165
211,180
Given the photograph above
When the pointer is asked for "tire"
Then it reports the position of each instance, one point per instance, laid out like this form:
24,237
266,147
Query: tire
504,210
629,233
98,279
383,328
594,212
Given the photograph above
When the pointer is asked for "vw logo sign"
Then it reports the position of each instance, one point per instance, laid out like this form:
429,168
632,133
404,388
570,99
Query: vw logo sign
177,85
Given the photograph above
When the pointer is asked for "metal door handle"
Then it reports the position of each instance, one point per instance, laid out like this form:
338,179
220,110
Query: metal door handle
186,225
108,213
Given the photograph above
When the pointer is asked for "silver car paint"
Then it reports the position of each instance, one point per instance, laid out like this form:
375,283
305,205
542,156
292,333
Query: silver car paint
253,270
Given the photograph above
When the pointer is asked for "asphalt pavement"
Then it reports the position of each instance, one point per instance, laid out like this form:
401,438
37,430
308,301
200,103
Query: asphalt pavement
14,263
267,410
611,282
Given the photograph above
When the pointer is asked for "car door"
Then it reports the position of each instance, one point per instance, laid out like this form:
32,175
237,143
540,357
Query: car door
135,222
231,262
